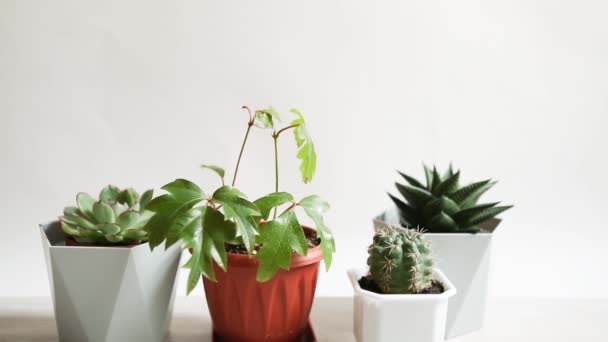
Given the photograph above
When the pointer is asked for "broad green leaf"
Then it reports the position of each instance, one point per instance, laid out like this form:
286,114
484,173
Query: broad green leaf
103,212
270,201
128,219
205,234
448,185
85,204
218,170
90,234
71,211
145,199
183,190
77,221
134,234
265,118
182,196
411,180
109,228
416,197
245,213
315,207
306,148
69,229
114,237
280,237
109,194
411,216
128,196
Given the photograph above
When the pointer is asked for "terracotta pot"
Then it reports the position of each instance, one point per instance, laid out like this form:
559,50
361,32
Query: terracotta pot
69,241
243,309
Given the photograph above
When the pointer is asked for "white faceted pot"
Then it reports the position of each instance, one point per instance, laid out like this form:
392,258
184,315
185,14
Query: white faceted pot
109,294
400,317
465,259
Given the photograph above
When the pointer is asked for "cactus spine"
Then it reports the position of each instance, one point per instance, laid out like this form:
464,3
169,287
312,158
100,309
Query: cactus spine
400,261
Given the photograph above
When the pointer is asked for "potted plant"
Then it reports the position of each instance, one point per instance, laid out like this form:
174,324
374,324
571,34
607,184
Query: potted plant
461,231
400,296
106,283
259,269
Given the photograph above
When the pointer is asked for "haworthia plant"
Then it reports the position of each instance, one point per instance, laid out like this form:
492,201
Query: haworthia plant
442,205
206,223
117,217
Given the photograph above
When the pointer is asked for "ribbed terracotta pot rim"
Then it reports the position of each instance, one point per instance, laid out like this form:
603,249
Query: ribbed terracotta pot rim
313,256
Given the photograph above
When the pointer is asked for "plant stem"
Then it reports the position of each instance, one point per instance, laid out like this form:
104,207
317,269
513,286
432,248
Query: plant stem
276,168
286,128
238,162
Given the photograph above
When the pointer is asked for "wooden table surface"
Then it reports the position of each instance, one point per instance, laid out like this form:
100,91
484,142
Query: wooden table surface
512,320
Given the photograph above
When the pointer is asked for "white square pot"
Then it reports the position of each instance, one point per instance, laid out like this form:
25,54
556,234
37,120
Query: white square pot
465,259
396,317
109,294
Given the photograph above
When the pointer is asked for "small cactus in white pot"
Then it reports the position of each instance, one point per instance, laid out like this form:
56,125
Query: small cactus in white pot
400,296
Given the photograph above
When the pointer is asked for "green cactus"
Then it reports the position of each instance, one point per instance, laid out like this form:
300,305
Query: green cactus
400,261
442,206
118,217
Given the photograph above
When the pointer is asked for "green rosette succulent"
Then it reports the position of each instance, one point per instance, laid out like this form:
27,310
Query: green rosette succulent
400,261
442,205
117,217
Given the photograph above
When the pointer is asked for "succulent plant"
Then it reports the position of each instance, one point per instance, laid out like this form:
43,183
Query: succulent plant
442,205
400,261
118,217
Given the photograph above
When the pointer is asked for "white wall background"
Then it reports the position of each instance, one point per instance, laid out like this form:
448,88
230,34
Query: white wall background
140,92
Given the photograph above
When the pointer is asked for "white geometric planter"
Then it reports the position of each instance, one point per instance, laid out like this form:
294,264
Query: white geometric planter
465,259
396,317
108,294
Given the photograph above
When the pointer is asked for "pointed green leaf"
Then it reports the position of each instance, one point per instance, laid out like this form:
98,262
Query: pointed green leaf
449,172
281,237
270,201
315,207
416,197
412,181
206,234
109,194
428,173
146,197
265,118
103,212
447,186
408,214
85,204
441,223
167,209
441,204
471,190
484,216
245,213
436,178
473,198
306,148
184,190
464,215
218,170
